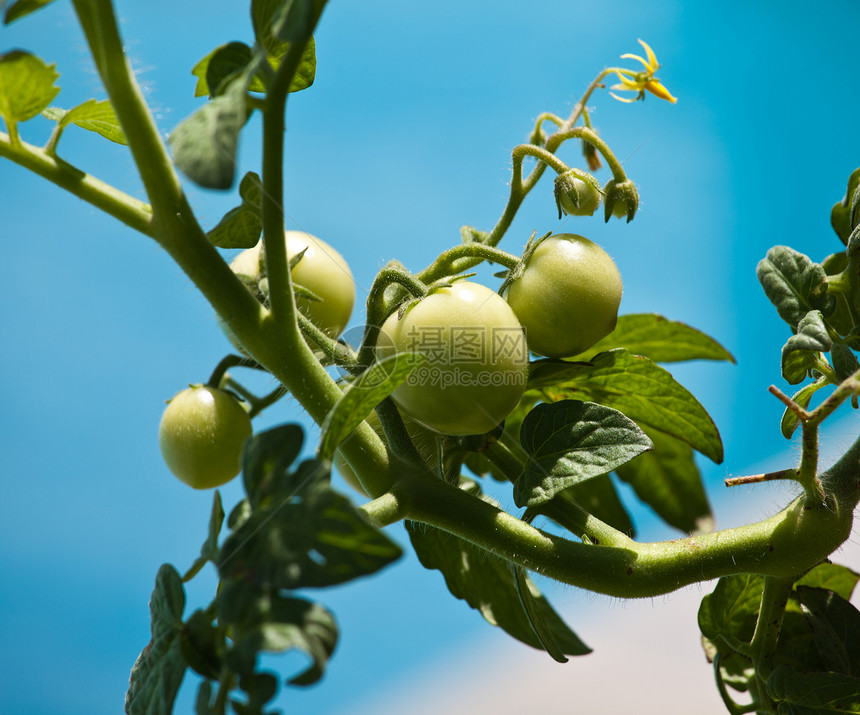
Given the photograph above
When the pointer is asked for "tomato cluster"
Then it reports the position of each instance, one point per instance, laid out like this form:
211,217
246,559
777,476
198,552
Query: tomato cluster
562,299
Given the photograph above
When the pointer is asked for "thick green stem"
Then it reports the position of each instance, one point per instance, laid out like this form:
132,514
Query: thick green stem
444,264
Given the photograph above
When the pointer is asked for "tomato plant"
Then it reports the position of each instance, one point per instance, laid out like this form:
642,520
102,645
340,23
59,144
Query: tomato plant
201,435
476,365
567,297
555,435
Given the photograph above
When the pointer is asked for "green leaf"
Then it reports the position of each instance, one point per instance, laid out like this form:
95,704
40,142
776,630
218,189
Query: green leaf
668,480
265,459
790,422
729,613
660,340
225,63
844,361
264,621
832,577
93,115
835,627
801,351
267,17
241,227
159,669
21,8
204,145
305,535
643,391
488,585
822,693
26,86
794,284
846,214
209,550
372,387
203,645
571,441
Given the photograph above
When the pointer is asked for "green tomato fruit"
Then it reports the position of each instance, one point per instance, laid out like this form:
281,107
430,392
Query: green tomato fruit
201,435
567,297
477,360
322,270
577,193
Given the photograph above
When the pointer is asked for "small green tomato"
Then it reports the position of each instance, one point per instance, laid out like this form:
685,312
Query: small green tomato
477,362
201,435
567,297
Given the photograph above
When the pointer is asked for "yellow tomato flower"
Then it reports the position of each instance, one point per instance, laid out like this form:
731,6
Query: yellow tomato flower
640,81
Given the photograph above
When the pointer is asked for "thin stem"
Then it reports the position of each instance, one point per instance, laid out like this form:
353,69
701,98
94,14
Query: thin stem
733,707
774,600
442,266
758,478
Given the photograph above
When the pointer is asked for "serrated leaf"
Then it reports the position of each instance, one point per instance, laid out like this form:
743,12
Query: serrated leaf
204,145
26,86
660,340
643,391
159,669
571,441
95,116
305,535
263,621
822,693
835,627
488,585
372,387
794,284
209,550
241,227
21,8
800,352
668,480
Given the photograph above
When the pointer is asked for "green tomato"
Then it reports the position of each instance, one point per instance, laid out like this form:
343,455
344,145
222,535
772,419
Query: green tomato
577,195
322,270
477,361
201,435
567,297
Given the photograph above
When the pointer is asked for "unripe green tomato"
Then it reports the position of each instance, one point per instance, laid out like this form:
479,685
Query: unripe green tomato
567,297
477,361
423,439
322,270
201,435
588,195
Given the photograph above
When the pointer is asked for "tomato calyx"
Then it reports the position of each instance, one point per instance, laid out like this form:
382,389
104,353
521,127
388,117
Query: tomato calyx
577,193
622,199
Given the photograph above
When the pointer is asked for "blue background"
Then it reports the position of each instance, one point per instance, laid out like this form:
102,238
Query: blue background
405,137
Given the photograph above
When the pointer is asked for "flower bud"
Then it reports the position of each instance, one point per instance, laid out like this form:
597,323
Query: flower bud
589,151
622,199
577,193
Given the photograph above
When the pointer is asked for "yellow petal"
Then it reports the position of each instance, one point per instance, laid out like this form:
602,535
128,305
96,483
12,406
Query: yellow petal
652,64
627,83
623,99
628,56
658,90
